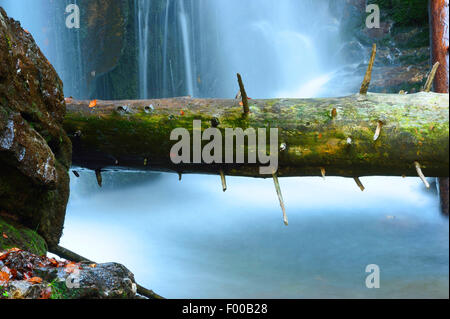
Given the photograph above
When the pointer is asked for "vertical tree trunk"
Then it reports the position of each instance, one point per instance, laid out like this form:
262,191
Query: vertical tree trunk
439,50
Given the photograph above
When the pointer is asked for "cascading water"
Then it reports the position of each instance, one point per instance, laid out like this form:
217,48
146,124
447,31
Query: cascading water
185,34
165,70
45,20
281,49
143,31
189,239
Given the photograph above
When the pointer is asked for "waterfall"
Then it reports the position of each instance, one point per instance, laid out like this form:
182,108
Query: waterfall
188,63
282,49
164,57
232,244
45,20
143,29
79,55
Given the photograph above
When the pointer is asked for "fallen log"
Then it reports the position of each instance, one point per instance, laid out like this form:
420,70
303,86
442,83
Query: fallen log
353,136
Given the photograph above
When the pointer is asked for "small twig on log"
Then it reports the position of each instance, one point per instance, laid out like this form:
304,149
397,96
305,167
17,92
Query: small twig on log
422,177
428,85
333,113
378,131
224,181
368,76
323,172
243,94
71,256
180,176
98,174
280,197
359,183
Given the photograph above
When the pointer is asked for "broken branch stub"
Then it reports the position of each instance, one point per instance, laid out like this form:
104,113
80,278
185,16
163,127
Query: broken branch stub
429,84
243,94
280,198
368,77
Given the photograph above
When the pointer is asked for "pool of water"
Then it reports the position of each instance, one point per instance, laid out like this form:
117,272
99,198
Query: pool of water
188,239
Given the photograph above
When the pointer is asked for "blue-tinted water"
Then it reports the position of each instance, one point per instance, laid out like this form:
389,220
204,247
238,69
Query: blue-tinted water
190,240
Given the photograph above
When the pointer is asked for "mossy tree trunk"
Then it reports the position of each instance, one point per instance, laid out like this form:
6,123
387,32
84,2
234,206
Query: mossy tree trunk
335,134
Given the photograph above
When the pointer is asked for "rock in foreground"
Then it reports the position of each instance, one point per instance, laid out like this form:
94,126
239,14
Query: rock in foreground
25,275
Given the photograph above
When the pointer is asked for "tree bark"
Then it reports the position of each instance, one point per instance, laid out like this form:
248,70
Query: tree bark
439,51
335,134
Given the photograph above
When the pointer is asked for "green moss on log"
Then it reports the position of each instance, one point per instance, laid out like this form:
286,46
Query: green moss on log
415,128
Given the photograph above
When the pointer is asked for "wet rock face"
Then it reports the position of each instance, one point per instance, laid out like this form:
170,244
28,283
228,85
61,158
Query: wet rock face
103,23
35,152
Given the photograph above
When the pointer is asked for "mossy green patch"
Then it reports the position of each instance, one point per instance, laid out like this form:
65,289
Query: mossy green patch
14,235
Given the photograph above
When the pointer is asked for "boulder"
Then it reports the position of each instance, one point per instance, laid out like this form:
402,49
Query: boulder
24,275
35,152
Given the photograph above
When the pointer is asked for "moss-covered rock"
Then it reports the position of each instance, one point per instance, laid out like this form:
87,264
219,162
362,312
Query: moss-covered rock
13,235
35,152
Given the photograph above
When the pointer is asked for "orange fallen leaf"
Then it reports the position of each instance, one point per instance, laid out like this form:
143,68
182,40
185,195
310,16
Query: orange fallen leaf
93,265
13,250
181,112
53,262
70,263
35,280
71,267
26,31
241,104
5,236
93,103
4,276
320,135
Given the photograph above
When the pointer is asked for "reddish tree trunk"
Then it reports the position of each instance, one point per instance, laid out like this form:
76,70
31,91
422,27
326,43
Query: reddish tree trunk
439,50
